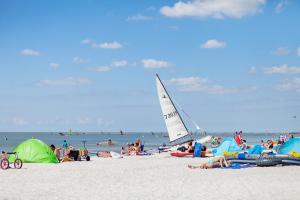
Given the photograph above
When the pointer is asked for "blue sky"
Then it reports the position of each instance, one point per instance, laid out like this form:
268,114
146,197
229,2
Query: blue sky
90,65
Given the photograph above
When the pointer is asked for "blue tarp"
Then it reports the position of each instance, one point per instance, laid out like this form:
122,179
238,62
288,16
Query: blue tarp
228,145
289,146
256,149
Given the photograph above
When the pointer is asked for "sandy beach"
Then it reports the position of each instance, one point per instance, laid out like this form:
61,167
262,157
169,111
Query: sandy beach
147,177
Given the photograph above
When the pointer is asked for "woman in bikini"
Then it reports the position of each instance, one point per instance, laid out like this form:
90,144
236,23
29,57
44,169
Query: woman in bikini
214,162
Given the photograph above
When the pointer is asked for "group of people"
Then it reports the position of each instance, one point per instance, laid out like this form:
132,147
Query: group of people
67,152
131,149
220,161
134,148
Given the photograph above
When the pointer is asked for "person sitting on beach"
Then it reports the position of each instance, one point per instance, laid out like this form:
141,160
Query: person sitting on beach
215,141
134,149
137,147
244,145
203,151
131,150
269,144
122,151
190,148
282,139
56,151
214,162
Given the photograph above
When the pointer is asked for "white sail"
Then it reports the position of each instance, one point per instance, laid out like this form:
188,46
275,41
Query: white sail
174,123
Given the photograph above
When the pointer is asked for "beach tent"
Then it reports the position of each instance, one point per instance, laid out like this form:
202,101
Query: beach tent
290,146
34,151
228,145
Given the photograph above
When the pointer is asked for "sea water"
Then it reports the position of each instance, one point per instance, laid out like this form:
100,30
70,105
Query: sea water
9,140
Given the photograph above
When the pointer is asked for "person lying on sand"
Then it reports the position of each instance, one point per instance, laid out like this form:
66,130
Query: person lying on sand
103,154
214,162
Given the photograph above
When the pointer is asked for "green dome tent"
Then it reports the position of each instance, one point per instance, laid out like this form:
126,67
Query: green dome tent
34,151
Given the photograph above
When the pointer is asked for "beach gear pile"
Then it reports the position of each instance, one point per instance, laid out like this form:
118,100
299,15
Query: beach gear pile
285,154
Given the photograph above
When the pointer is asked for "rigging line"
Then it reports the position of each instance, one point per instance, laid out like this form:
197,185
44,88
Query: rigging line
195,124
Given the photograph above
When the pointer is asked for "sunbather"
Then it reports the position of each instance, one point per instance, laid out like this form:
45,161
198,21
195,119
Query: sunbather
214,162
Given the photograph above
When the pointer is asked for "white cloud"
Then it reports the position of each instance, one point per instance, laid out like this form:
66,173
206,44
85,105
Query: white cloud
54,65
86,41
281,51
19,121
108,45
298,51
281,6
213,44
152,63
100,69
289,85
79,60
29,52
218,9
69,81
195,84
283,69
139,17
114,64
119,63
252,70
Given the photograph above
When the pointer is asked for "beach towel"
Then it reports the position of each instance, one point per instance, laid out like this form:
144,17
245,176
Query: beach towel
237,166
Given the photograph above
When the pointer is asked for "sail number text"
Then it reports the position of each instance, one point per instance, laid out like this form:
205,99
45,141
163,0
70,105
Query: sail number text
170,115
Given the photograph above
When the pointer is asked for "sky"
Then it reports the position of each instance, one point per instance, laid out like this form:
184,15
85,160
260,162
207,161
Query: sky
90,65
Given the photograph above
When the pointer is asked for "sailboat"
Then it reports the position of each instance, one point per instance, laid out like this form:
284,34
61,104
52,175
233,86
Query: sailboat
177,130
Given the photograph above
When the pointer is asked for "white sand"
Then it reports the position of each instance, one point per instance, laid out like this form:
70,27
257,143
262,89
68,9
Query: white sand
142,178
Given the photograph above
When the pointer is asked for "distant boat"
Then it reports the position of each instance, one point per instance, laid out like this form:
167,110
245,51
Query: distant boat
62,134
121,132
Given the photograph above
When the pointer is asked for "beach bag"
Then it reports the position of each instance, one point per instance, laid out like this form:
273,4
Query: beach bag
197,150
